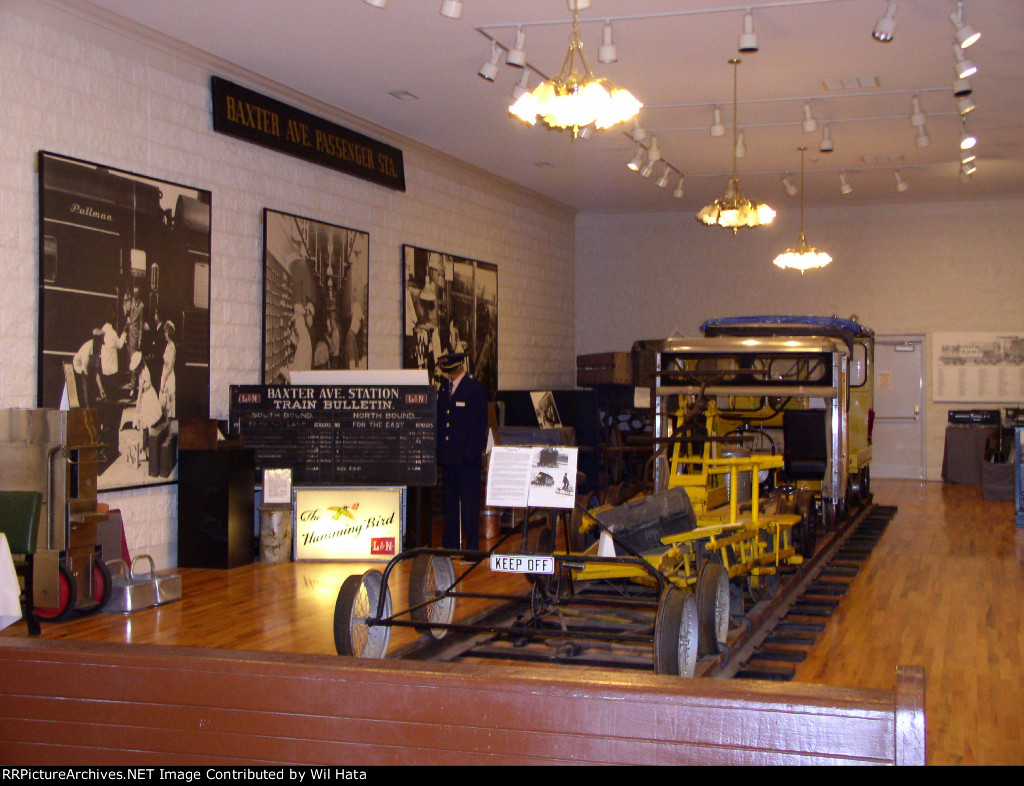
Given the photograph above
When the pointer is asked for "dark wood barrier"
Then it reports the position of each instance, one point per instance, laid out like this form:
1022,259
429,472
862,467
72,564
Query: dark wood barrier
89,704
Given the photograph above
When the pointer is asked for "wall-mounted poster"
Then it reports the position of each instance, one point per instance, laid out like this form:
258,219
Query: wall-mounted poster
316,296
978,367
124,310
451,305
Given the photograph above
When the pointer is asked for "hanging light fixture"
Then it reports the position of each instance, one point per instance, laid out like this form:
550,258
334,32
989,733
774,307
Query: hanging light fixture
734,210
804,256
576,98
886,26
965,34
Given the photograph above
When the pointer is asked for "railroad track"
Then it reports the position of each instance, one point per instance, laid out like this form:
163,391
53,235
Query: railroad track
605,629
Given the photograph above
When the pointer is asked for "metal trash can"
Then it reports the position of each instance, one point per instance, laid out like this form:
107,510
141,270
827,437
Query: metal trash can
275,534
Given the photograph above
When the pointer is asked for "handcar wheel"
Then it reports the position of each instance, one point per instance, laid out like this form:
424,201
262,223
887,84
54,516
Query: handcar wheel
66,596
676,633
804,534
101,588
713,607
431,577
357,601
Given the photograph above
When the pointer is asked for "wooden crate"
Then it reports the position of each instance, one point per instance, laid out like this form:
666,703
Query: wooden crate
605,368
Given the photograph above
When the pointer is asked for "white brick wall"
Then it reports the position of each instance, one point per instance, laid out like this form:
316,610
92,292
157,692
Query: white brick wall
96,90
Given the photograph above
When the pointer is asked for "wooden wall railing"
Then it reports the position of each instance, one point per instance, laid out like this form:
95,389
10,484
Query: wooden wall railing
88,703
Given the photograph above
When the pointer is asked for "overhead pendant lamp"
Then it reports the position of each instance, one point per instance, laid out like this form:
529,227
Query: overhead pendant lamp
489,70
810,125
717,127
680,188
886,26
901,185
844,185
734,210
965,34
804,256
963,67
576,98
967,139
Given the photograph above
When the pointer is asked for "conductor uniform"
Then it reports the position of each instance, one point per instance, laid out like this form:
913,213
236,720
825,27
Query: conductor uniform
461,439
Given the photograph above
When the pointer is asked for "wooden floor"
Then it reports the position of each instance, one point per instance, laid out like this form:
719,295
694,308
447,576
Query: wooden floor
944,589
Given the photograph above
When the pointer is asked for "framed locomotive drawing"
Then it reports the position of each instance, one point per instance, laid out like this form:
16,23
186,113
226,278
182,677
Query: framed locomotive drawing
451,305
316,296
124,310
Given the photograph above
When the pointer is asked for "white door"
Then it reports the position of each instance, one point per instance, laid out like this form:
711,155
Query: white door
897,445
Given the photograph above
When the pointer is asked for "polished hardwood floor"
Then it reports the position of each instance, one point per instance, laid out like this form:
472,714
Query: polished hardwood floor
943,589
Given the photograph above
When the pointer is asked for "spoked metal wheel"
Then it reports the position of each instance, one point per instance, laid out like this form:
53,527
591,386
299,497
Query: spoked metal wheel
712,607
676,633
355,630
431,577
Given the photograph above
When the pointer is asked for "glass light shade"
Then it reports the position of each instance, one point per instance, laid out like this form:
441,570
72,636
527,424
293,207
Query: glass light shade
734,210
803,257
594,102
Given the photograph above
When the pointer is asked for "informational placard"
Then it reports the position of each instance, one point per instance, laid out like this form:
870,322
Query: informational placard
277,486
360,435
978,367
534,477
348,524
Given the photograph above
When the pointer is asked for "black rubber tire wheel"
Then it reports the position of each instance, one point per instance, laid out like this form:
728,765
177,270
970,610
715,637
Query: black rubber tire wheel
101,588
357,601
67,595
712,607
676,631
430,576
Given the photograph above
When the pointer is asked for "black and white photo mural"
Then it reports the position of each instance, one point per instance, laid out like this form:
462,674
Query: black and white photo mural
451,305
124,310
316,296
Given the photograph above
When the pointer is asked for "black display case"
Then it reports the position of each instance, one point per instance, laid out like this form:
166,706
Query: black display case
216,507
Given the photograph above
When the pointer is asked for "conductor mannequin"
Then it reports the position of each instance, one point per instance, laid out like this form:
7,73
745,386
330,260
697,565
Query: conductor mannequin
461,438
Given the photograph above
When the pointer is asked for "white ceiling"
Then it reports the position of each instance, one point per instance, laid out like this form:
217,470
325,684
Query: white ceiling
674,55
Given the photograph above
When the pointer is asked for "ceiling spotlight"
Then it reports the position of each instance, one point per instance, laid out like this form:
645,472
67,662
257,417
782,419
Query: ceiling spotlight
663,180
804,256
917,117
961,87
717,128
965,34
523,86
741,146
654,152
647,168
844,185
922,140
787,183
489,70
452,9
578,5
810,124
586,132
608,52
967,139
748,39
639,133
826,145
637,159
900,185
965,105
679,190
967,156
376,3
517,55
963,67
886,26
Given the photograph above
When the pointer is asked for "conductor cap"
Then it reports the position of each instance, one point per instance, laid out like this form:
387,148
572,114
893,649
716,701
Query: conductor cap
451,362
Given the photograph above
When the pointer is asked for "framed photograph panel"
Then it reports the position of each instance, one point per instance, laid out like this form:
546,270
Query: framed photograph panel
451,305
124,310
316,296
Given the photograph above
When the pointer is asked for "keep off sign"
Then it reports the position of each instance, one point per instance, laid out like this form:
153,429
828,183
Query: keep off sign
522,563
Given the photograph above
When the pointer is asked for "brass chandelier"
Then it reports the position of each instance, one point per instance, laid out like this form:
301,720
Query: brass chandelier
576,98
804,256
734,210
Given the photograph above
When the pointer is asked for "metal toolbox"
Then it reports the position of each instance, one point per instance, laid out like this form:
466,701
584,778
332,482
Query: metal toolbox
166,588
127,592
